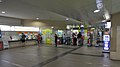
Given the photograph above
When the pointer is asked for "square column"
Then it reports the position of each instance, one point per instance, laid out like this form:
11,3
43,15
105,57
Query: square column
115,37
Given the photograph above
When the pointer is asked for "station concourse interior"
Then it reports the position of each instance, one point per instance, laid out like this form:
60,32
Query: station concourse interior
59,33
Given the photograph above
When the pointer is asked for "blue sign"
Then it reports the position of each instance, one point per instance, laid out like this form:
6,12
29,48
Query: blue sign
106,39
0,34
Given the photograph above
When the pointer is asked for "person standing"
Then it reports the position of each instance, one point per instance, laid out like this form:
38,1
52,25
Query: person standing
56,37
64,39
38,39
23,39
91,39
79,39
41,39
74,39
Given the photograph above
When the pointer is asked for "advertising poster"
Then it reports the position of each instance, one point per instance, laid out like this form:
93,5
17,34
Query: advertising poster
85,34
47,36
60,33
5,39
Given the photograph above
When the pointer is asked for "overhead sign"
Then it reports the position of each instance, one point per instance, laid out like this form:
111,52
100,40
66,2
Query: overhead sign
18,28
108,25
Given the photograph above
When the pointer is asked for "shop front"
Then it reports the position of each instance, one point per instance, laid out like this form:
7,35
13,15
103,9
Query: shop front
11,36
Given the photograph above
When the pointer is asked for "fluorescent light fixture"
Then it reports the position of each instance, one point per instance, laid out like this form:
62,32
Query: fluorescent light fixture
0,0
73,26
68,27
82,26
67,18
52,27
96,11
37,18
104,20
90,26
3,12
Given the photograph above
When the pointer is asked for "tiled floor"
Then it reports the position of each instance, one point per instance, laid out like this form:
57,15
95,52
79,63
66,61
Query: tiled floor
97,51
28,56
50,56
82,61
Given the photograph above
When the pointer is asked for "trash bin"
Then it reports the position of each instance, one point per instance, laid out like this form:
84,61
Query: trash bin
58,41
1,45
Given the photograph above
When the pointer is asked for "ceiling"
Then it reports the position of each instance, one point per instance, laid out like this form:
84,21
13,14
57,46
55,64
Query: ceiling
57,10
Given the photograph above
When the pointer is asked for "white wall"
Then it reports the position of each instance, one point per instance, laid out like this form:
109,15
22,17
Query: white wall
45,24
9,21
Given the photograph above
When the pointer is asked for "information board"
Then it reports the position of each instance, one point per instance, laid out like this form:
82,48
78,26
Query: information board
106,39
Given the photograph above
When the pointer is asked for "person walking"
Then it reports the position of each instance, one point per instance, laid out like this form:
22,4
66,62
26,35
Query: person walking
23,39
56,37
